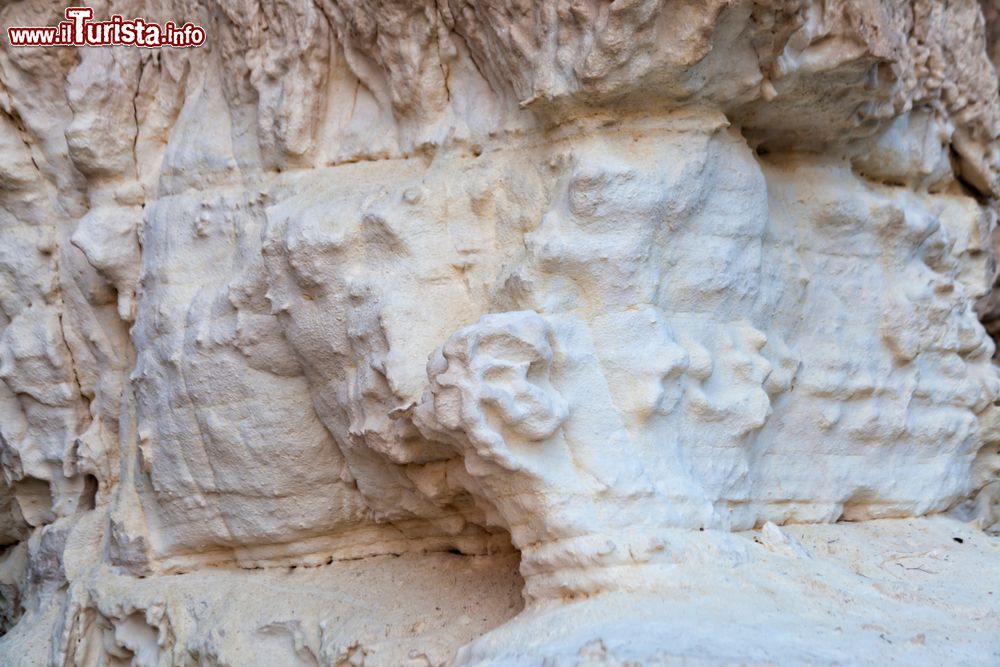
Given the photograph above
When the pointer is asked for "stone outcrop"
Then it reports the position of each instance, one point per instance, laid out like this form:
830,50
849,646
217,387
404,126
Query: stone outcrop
466,305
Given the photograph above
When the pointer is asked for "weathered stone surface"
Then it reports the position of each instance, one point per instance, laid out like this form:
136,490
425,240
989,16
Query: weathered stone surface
594,296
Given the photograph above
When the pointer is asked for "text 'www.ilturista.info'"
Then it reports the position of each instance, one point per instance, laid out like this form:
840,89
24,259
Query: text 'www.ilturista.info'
79,30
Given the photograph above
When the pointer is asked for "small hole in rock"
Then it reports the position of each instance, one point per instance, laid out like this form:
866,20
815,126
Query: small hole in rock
88,498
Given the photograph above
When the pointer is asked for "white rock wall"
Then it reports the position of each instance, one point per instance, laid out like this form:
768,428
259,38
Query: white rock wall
594,283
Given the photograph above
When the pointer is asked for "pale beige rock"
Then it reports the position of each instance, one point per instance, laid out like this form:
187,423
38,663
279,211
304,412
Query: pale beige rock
583,290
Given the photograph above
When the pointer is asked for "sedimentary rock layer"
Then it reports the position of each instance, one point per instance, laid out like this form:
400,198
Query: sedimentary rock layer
577,289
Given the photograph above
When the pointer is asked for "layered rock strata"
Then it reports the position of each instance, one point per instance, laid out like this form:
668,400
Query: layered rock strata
577,289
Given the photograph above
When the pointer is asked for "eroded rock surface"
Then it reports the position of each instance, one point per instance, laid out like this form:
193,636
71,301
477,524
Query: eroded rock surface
579,292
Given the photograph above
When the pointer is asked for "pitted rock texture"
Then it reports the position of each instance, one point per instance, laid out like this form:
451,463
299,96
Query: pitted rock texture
492,304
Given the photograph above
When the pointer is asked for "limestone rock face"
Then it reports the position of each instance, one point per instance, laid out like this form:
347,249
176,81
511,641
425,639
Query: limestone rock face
339,339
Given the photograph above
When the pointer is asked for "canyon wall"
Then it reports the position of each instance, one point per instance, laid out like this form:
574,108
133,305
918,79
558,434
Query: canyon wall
365,309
